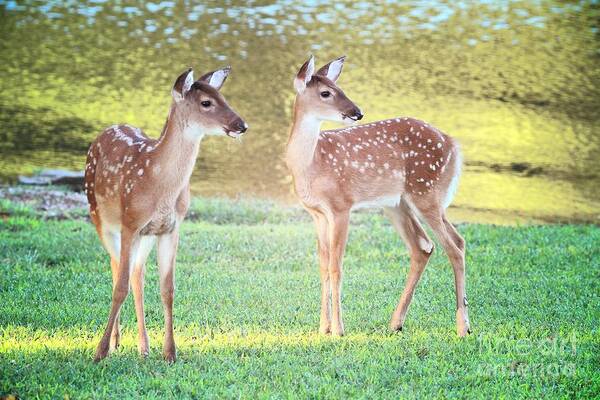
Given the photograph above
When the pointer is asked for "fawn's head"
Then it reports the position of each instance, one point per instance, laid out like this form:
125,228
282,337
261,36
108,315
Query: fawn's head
318,94
207,111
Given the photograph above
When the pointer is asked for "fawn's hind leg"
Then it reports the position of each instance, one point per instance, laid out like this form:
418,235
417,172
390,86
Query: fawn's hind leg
454,246
420,248
137,286
167,252
111,239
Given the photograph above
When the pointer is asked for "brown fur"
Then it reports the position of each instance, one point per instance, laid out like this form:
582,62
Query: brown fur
402,164
138,191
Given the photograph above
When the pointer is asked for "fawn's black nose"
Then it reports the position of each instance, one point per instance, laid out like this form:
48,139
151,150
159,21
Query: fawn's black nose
240,126
356,114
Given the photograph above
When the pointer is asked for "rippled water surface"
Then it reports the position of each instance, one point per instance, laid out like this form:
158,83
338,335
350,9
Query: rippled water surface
517,82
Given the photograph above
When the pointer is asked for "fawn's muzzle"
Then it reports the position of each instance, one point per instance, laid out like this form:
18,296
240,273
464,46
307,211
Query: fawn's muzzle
354,114
236,128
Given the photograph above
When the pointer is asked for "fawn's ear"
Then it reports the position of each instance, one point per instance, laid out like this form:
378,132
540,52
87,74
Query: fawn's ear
304,75
182,85
216,78
333,69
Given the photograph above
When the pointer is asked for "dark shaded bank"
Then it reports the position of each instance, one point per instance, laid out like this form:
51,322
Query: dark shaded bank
60,202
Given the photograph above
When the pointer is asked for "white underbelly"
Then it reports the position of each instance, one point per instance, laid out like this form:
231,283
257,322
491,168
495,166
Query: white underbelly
378,202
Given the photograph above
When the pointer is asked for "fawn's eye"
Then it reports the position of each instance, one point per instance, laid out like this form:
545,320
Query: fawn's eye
325,93
206,103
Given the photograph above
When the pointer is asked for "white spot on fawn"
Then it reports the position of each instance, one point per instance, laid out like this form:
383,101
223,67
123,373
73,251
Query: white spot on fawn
425,245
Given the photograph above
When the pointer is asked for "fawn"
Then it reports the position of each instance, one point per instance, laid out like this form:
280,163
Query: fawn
138,191
404,165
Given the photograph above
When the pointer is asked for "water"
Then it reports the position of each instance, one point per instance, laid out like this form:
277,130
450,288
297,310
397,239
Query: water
517,82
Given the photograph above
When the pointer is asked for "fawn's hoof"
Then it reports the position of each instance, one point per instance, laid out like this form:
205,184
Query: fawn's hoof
337,331
115,343
115,339
144,349
101,352
169,352
324,329
462,323
463,331
170,356
395,326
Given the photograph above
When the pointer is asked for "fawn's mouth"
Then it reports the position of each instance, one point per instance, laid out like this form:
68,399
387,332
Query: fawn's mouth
242,127
233,134
352,117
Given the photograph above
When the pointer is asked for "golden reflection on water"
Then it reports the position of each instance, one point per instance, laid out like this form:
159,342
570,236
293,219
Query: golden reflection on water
516,82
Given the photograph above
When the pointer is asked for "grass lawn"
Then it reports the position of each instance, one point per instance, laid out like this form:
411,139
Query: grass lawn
247,310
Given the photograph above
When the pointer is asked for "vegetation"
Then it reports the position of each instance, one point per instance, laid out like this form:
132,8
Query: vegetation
517,82
247,305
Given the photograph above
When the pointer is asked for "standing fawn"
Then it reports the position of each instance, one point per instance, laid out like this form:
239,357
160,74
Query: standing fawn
402,164
138,191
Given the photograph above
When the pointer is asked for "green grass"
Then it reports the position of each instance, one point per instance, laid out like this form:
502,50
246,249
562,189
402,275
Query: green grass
246,313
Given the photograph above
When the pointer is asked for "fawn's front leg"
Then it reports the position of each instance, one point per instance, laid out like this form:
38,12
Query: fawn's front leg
129,244
137,286
167,251
323,252
338,236
115,337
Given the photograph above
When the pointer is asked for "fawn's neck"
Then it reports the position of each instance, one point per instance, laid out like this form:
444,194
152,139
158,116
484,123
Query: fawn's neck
303,140
177,149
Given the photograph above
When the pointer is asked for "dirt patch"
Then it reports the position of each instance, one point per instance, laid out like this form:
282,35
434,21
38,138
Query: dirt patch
55,203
